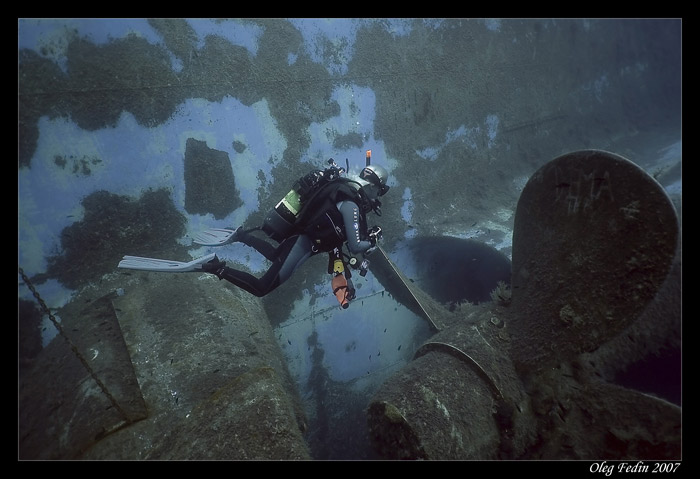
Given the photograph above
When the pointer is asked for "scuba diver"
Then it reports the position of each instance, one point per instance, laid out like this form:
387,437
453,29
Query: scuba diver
323,212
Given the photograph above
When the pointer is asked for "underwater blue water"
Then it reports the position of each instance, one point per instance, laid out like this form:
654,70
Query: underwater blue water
128,158
133,158
362,345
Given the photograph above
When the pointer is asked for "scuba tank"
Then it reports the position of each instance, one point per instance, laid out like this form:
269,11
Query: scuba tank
280,221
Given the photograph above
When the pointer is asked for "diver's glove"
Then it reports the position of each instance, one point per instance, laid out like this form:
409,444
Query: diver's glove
351,293
375,234
235,236
215,267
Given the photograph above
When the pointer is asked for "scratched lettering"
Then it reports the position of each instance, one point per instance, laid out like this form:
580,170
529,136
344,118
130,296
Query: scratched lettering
580,190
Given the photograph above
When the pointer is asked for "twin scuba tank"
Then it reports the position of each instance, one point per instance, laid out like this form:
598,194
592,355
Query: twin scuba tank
280,221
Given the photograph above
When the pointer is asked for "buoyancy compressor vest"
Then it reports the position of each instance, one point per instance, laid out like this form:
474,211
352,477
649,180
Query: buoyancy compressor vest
322,221
310,208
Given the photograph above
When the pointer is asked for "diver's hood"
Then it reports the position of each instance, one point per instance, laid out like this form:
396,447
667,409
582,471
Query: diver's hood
370,190
357,179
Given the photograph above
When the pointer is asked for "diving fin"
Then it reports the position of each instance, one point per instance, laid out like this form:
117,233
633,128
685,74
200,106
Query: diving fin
164,265
215,237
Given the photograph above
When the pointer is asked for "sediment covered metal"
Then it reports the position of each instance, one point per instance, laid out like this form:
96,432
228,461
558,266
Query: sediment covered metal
460,398
593,240
213,379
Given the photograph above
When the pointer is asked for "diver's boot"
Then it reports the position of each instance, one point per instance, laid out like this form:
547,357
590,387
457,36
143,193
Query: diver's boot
215,267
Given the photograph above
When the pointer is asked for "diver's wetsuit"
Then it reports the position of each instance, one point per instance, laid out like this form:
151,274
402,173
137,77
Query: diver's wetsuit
292,253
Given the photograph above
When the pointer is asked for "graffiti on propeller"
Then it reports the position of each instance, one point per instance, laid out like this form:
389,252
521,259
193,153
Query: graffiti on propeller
580,190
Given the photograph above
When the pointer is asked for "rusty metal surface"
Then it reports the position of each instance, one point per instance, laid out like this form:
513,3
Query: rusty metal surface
492,417
423,412
63,411
593,240
200,358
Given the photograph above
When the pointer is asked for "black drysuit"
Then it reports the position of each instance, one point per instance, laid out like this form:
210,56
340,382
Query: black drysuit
295,250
